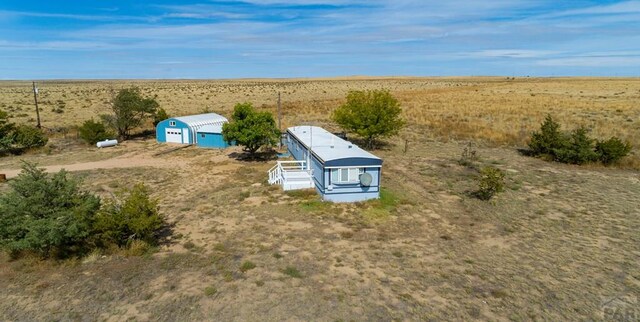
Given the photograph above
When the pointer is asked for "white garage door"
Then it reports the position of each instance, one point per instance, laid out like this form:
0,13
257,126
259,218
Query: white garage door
174,135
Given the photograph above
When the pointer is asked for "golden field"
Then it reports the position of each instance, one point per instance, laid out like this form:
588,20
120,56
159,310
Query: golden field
561,243
498,110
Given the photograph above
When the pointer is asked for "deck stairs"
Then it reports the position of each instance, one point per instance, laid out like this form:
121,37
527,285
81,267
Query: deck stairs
291,175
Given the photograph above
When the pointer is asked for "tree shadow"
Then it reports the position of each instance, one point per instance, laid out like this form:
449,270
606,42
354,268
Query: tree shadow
526,152
377,144
144,135
256,157
165,233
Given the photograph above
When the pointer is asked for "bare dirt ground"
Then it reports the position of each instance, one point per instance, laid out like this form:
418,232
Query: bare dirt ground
120,162
558,244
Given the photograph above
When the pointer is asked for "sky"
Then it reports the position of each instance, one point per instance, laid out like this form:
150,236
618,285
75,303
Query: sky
157,39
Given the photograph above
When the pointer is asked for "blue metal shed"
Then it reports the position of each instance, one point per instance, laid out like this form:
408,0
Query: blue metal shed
184,129
339,170
210,136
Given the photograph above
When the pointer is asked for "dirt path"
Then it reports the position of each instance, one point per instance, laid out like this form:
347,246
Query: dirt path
104,164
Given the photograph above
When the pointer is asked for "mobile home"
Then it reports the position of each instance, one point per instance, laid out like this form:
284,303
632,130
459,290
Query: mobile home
338,169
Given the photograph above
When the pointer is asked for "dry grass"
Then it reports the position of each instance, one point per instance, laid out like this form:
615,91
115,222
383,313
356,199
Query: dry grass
551,247
498,110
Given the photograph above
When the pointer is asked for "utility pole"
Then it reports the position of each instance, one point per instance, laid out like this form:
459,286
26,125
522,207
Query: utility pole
35,98
279,121
279,113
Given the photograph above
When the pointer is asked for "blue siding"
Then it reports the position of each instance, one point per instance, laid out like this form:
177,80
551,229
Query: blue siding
211,140
166,124
297,150
349,192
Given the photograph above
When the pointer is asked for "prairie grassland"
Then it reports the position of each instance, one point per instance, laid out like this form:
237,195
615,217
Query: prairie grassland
553,246
497,110
558,244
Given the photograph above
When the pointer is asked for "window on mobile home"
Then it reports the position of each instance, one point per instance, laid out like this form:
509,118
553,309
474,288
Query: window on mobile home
346,175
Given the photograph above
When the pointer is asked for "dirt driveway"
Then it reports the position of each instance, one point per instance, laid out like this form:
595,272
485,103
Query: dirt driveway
129,162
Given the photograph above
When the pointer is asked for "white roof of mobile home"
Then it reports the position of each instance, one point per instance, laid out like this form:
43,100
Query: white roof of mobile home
202,119
329,147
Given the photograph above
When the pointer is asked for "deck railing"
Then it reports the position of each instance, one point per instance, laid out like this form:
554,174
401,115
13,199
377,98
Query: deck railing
287,170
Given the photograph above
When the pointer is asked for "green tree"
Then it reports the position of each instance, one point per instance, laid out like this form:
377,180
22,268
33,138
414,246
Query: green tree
160,116
548,139
612,150
250,129
130,110
93,132
46,214
27,137
6,131
133,215
370,115
578,150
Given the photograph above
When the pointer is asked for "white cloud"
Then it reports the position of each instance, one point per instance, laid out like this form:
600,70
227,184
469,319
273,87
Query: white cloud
593,61
513,53
103,18
625,7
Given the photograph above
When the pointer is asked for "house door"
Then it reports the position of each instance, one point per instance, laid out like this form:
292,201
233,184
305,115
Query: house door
185,136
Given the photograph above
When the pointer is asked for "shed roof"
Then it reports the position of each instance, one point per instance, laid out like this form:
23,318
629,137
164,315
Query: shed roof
202,119
331,149
210,129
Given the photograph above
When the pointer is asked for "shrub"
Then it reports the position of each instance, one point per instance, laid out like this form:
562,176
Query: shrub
548,139
210,290
131,216
93,132
578,149
612,150
246,266
370,114
6,132
46,214
292,272
490,182
159,116
28,137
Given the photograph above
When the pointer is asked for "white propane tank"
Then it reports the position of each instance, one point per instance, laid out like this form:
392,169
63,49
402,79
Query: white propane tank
106,143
